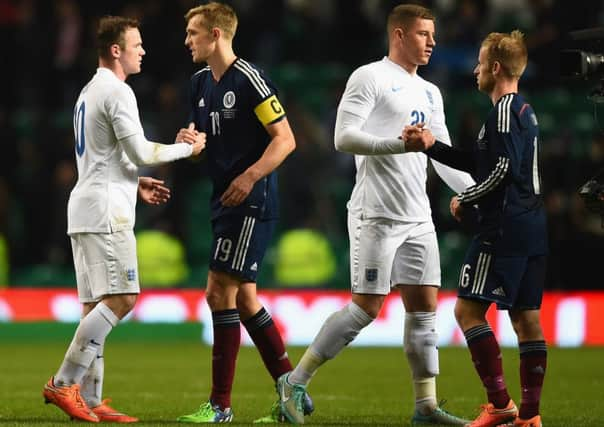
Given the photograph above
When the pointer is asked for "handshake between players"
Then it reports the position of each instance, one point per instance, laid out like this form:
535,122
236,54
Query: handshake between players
191,136
417,138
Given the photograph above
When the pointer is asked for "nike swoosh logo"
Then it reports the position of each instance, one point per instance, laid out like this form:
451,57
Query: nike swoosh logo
396,89
284,397
93,342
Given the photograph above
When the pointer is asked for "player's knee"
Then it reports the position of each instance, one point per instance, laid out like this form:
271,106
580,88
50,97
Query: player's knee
527,327
247,304
466,317
370,304
460,315
122,304
214,298
373,311
419,298
128,303
421,348
87,307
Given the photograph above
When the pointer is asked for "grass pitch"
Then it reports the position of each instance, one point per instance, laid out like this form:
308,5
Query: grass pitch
158,372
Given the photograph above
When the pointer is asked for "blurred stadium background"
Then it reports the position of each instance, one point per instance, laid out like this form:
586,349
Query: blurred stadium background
308,47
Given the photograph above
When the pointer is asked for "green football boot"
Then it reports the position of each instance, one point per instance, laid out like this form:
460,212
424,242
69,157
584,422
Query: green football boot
208,413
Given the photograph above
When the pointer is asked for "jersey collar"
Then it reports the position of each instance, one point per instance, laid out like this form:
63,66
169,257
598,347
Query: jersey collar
228,69
106,72
393,64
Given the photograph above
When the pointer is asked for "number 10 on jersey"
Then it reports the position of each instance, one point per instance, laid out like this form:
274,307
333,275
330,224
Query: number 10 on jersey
78,128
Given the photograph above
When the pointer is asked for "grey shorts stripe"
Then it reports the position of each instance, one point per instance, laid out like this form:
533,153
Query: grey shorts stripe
243,243
482,269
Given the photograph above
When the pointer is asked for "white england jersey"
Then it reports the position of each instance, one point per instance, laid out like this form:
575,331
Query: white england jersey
393,186
104,198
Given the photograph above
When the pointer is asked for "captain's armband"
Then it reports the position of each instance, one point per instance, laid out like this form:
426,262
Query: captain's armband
269,110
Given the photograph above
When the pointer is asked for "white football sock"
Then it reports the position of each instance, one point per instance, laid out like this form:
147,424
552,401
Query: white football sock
92,383
89,337
422,353
338,330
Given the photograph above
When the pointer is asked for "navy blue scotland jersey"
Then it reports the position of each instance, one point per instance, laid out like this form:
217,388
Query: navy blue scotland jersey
505,166
233,112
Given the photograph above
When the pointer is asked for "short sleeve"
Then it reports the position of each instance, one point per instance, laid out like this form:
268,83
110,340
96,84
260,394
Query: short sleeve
262,93
123,113
269,111
361,93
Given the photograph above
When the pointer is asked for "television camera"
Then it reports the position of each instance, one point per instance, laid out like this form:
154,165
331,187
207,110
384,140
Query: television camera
587,63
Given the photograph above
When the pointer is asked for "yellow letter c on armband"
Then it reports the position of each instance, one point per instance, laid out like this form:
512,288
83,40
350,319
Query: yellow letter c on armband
269,110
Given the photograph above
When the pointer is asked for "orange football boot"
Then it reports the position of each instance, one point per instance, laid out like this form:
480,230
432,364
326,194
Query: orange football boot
68,398
519,422
108,414
493,417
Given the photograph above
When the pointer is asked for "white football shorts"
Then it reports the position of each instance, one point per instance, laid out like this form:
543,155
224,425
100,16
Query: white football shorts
105,264
385,253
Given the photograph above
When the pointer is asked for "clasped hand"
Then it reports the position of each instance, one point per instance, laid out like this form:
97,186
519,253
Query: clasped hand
417,138
191,136
456,208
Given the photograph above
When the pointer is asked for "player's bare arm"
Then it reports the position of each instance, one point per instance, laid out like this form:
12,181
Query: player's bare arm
281,145
152,191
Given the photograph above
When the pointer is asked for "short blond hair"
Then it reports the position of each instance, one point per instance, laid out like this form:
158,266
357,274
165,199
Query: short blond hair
404,14
509,49
216,15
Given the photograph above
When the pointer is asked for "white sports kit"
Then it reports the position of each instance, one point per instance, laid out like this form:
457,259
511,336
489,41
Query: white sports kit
392,237
110,145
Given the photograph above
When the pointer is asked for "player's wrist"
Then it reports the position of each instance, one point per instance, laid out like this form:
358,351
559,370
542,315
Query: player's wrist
253,173
403,143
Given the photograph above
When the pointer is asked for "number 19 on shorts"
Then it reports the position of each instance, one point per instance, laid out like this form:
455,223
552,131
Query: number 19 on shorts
223,249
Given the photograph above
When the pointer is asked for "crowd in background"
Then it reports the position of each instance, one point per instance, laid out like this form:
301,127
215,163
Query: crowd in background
308,48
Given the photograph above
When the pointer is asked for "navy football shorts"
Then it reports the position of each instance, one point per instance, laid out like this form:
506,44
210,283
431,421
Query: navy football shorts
512,282
239,244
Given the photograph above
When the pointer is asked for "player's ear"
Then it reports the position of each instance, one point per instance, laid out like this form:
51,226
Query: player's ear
397,36
496,69
115,50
